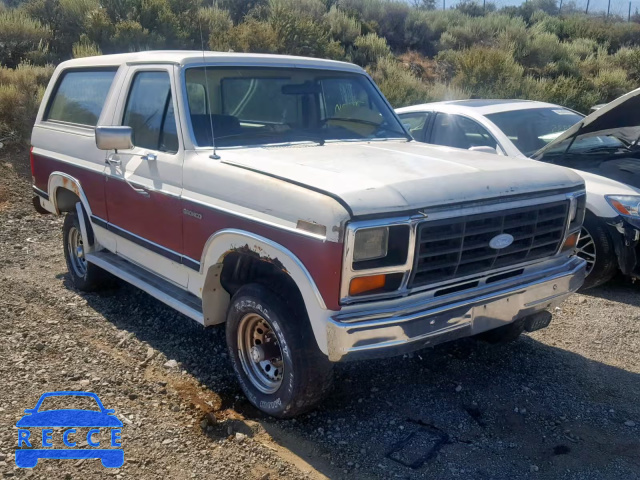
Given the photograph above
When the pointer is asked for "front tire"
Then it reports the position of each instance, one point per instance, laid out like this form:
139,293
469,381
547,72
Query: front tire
274,353
596,247
85,276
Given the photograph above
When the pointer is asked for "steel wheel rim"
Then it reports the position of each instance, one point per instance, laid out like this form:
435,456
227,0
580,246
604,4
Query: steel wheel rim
586,249
76,252
260,354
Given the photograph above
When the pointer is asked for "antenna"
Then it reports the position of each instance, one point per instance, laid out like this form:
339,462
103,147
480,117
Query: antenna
214,156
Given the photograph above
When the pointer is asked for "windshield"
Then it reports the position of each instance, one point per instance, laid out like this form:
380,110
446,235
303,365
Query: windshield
533,128
258,106
591,142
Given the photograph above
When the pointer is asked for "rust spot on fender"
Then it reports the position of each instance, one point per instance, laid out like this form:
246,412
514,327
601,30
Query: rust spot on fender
68,184
256,251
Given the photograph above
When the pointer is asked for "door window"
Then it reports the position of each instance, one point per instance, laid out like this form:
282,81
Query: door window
416,123
149,112
460,132
79,96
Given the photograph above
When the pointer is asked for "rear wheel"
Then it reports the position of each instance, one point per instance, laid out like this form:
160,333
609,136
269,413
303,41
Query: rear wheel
274,353
84,275
596,248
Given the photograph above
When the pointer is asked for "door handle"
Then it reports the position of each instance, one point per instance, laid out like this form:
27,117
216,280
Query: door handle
112,159
140,191
150,157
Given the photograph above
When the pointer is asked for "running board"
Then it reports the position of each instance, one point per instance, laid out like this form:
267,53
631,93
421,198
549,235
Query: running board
177,298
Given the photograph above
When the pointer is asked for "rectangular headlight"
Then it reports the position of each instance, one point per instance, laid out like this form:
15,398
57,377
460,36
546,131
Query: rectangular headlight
577,209
371,243
573,210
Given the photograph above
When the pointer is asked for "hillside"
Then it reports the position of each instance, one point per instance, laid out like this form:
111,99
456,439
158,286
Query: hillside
415,53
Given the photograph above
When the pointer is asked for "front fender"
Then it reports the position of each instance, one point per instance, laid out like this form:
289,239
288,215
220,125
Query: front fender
215,299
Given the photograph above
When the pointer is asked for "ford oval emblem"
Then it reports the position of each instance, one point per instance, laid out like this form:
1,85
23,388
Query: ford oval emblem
501,241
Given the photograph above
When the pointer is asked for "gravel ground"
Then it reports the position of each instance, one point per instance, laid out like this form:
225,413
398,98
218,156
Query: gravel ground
561,403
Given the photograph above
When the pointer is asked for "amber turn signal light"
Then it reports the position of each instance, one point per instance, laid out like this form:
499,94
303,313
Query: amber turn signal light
366,284
571,241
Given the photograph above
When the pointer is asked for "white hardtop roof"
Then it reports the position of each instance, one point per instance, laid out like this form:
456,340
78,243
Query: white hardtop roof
478,106
194,57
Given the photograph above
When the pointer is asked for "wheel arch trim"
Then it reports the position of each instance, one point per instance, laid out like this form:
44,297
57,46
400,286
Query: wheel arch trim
63,180
215,299
231,240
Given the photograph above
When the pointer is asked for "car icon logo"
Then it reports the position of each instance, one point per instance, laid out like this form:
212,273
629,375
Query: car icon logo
72,422
501,241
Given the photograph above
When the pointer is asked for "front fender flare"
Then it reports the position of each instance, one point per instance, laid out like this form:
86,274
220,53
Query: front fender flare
215,299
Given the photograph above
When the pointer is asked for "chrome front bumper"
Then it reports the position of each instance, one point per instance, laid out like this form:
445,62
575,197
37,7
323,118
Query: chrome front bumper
420,323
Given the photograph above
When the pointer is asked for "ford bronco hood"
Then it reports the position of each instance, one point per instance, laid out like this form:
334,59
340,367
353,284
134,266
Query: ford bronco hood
392,176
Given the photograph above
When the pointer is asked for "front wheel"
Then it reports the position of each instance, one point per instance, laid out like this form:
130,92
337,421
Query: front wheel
596,248
274,353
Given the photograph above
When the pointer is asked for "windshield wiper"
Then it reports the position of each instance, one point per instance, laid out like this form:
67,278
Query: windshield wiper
365,122
310,138
603,148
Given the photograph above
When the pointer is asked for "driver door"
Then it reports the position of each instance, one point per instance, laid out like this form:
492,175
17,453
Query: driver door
144,184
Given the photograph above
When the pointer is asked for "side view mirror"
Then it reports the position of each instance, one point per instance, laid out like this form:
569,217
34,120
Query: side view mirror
114,138
484,149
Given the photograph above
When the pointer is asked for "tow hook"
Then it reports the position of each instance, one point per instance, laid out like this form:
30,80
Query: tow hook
537,321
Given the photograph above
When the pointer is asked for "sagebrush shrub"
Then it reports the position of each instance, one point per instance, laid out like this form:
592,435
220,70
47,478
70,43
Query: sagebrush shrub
628,59
612,83
216,25
251,36
21,90
486,72
85,48
398,84
369,49
315,9
576,94
546,55
343,27
419,34
19,34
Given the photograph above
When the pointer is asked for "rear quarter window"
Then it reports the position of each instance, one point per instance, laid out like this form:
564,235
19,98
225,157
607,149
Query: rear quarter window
79,96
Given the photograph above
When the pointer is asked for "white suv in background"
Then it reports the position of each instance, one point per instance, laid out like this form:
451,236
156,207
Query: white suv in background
602,148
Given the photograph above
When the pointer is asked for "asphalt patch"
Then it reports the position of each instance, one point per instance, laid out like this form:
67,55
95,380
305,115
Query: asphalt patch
419,446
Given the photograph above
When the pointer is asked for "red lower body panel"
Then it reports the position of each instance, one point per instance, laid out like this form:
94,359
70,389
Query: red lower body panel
323,260
155,217
92,182
160,219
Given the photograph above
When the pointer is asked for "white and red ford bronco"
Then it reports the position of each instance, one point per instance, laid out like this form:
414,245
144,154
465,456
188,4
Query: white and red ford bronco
283,196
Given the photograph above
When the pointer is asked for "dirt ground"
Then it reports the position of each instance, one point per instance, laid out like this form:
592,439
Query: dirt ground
562,403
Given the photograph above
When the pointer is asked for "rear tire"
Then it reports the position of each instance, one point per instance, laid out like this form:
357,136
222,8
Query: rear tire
596,247
274,353
85,276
